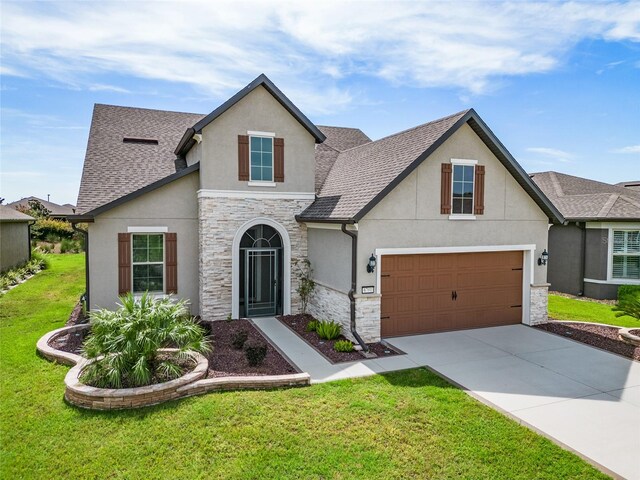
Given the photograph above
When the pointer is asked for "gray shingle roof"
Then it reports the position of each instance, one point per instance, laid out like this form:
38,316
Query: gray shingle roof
112,168
55,209
361,173
338,139
10,214
583,199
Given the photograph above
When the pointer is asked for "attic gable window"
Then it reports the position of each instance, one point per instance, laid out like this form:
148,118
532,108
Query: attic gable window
140,141
261,157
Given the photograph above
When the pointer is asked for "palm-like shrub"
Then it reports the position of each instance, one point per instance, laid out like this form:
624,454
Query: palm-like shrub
328,330
124,343
629,305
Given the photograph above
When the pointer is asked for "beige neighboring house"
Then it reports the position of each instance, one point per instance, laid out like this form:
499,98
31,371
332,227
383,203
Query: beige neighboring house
57,211
15,241
434,228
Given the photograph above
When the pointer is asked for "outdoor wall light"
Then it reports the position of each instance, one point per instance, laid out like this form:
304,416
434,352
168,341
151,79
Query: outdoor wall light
371,266
543,258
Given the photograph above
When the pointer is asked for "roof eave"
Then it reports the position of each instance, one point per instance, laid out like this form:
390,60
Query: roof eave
261,80
91,214
301,219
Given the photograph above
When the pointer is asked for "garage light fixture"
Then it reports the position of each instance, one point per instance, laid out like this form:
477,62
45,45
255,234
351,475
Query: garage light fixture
371,266
543,258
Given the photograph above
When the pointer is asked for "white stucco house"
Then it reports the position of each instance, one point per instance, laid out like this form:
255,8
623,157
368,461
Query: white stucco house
433,228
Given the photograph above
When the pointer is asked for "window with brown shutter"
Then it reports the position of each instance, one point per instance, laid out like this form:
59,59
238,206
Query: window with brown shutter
171,262
445,189
124,263
278,159
478,200
243,158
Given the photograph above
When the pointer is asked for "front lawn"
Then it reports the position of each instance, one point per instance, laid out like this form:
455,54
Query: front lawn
409,424
563,308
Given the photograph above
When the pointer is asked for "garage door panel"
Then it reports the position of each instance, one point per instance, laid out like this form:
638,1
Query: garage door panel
417,291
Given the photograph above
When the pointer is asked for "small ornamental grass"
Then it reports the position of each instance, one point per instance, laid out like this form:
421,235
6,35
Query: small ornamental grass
311,326
343,346
124,343
328,330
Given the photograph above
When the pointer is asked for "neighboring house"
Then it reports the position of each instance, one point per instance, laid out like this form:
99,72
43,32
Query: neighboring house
15,244
57,211
599,249
218,209
634,185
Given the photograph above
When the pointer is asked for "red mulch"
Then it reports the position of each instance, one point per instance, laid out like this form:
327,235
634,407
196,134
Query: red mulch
599,336
77,316
298,323
225,360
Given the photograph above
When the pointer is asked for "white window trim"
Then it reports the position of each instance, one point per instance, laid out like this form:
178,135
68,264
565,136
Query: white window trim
610,278
527,265
155,293
147,229
255,133
464,216
263,183
235,264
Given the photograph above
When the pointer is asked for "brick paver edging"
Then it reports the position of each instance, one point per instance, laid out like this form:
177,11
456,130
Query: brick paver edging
626,336
193,383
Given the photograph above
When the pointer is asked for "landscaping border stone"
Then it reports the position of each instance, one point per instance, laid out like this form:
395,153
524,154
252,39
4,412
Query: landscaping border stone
628,337
190,384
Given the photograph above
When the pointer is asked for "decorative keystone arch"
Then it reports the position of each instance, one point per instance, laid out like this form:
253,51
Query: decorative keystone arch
235,264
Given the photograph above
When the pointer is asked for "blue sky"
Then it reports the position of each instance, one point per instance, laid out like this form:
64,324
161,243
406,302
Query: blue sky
558,82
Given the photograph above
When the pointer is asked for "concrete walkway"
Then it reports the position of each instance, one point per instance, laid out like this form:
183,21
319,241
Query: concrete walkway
582,397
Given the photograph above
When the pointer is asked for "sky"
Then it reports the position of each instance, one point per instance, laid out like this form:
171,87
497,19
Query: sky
557,82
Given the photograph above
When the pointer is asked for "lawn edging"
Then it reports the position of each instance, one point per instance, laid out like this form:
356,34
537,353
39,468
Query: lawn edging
628,337
190,384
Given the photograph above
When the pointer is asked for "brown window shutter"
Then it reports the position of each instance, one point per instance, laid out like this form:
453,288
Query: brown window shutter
445,189
478,199
243,158
124,263
171,262
278,159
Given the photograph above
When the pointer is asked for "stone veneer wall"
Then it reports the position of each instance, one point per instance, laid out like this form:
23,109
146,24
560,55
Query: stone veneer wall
220,219
538,311
328,303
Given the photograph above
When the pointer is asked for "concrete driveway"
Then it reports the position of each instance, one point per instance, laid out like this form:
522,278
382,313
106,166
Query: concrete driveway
582,397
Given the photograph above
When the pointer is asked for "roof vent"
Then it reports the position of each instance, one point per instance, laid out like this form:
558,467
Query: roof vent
143,141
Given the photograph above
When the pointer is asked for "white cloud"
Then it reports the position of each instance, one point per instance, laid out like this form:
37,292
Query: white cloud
306,47
629,149
553,153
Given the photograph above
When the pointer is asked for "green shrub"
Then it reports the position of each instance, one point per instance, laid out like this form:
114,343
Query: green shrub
629,306
628,290
45,228
239,339
343,346
328,330
255,353
125,343
311,326
69,246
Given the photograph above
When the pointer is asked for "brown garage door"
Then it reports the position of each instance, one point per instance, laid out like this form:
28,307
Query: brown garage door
453,291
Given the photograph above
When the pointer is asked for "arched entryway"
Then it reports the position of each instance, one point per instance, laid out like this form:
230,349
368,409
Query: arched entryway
261,270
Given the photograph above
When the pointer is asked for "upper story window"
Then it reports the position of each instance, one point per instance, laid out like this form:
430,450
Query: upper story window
148,262
626,254
261,158
462,192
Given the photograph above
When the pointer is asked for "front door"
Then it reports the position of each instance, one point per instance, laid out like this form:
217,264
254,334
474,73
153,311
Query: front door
261,281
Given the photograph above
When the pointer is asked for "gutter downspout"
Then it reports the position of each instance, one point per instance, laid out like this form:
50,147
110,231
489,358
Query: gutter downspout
352,300
86,261
29,223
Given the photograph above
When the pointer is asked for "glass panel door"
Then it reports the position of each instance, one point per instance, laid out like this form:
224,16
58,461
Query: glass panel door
261,285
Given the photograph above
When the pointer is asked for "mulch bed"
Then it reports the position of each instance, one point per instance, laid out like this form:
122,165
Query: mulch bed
635,332
298,323
225,360
599,336
70,342
584,299
77,316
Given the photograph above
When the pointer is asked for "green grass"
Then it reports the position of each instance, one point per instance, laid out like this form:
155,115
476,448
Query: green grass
563,308
409,424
